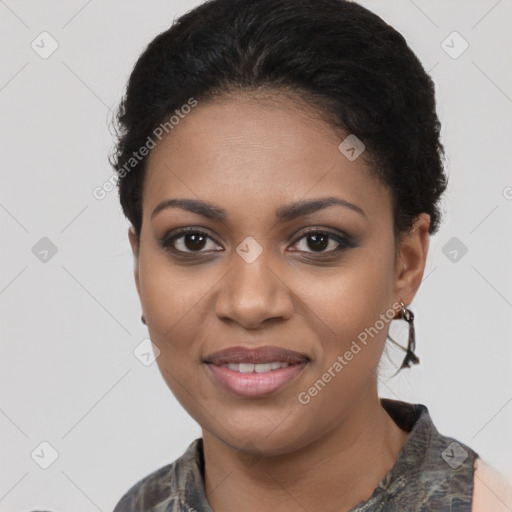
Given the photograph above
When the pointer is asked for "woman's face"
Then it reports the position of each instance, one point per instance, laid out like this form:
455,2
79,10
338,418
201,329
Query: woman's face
250,275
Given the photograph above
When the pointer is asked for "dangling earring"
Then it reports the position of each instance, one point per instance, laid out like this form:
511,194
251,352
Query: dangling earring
143,319
410,356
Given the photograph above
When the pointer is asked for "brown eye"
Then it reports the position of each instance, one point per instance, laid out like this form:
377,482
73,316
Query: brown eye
193,241
317,242
322,242
189,241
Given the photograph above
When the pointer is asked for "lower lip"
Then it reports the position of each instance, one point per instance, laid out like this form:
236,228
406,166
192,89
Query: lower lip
252,385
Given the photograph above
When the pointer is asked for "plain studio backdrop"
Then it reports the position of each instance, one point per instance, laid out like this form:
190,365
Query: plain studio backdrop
82,417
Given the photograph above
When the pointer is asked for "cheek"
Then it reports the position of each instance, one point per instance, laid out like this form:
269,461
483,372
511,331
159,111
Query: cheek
173,297
352,297
354,306
174,301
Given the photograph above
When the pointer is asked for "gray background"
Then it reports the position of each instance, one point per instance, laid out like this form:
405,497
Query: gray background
70,323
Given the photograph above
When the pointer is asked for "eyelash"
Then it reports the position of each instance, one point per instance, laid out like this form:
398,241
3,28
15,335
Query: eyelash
344,241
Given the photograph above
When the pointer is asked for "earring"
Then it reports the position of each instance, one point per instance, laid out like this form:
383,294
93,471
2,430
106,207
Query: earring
410,356
143,319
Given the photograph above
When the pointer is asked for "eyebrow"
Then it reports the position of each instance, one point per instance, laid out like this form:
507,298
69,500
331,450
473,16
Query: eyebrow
285,213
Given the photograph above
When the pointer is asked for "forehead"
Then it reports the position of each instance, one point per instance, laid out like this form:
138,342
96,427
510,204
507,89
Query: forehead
254,153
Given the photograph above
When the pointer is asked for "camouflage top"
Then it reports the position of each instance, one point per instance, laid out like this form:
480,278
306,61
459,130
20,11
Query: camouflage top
431,473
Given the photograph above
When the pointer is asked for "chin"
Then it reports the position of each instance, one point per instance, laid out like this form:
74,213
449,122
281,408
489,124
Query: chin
267,434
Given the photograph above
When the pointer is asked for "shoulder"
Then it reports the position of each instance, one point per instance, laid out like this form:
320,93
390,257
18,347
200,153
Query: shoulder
163,489
492,492
153,492
432,471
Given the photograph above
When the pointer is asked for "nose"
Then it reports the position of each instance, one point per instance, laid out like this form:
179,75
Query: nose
253,293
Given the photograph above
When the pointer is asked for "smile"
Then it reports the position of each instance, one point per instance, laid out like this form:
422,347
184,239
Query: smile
257,368
257,372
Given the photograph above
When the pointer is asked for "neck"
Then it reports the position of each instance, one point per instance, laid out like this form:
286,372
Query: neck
337,471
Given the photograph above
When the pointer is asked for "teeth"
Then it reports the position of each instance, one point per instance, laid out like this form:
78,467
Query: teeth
262,367
255,367
246,368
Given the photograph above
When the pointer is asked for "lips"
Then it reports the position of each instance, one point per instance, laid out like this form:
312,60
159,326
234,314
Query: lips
255,367
258,372
260,355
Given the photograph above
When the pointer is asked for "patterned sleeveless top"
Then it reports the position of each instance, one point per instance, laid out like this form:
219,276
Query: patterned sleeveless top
431,473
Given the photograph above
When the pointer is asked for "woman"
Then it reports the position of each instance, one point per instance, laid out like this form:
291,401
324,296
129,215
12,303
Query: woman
280,164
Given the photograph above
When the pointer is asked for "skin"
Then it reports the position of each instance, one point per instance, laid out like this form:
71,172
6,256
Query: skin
250,156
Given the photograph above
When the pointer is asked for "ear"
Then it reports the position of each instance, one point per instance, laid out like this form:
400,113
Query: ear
134,242
411,259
